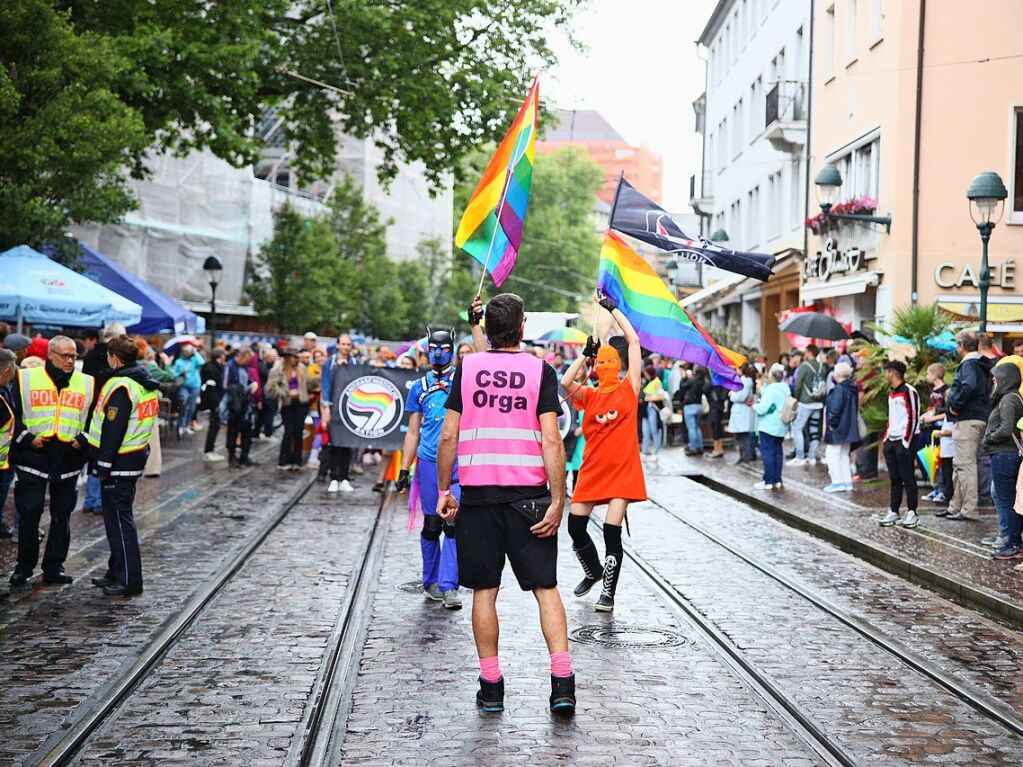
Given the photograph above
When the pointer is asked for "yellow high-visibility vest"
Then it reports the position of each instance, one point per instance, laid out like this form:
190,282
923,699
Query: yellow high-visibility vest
145,407
49,413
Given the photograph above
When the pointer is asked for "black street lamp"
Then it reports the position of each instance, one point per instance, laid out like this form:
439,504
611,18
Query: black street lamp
985,194
213,269
828,182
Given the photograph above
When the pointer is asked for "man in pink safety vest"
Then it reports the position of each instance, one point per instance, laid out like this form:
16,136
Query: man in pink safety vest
502,424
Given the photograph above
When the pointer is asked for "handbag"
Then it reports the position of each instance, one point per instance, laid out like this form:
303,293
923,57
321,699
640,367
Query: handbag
666,413
861,425
704,404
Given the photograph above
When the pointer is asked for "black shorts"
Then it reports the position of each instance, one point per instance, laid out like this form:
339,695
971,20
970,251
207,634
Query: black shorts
488,534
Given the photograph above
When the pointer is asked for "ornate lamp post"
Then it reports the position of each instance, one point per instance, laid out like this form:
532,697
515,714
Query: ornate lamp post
986,194
213,269
828,183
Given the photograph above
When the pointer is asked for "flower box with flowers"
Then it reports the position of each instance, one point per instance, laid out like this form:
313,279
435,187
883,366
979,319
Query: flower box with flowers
863,205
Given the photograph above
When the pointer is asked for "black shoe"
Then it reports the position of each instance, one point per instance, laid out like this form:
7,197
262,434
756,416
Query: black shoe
942,513
232,462
378,487
5,531
605,603
490,697
120,590
590,562
18,578
247,462
563,695
102,583
57,579
89,510
612,569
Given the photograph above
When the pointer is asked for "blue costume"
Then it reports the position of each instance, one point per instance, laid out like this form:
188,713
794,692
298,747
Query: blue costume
428,397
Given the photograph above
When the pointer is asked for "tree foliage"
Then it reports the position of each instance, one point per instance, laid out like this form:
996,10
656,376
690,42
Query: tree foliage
64,132
557,262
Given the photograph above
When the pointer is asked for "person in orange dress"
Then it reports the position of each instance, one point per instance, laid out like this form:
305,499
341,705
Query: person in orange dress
611,472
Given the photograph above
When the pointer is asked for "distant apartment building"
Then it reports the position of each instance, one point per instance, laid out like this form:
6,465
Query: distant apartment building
872,58
751,191
587,129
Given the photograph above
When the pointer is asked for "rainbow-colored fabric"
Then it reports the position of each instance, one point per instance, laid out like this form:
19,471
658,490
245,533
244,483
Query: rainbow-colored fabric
502,193
662,324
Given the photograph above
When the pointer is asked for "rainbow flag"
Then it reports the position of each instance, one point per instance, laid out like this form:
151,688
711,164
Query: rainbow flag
491,227
662,324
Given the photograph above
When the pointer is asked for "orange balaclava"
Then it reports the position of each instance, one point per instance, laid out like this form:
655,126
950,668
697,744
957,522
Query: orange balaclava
608,366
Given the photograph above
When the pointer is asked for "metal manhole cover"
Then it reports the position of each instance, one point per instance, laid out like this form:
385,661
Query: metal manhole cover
411,587
628,636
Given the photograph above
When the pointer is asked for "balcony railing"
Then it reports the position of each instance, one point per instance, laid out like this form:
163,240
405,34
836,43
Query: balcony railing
785,102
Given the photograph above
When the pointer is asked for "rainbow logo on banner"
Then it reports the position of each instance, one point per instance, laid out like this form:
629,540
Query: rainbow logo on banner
378,402
371,407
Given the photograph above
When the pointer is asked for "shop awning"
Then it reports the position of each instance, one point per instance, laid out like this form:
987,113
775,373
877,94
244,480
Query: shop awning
844,286
1001,310
159,311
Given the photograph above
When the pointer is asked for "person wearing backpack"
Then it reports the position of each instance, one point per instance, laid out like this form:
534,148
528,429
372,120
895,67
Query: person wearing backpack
771,426
810,389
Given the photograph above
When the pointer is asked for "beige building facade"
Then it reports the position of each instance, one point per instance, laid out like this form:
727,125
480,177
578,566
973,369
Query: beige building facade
917,167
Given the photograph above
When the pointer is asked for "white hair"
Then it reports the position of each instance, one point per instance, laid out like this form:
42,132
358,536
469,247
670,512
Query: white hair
56,341
112,330
777,371
842,371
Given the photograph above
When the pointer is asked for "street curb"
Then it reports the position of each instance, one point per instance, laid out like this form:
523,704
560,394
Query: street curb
965,594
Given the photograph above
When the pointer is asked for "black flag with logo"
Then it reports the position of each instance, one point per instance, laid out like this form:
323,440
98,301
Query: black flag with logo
368,406
636,215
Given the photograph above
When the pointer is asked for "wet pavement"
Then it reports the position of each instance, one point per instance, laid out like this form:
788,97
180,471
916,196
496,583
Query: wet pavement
240,684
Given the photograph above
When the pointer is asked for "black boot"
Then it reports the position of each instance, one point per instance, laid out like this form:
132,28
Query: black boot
490,697
613,555
563,695
590,562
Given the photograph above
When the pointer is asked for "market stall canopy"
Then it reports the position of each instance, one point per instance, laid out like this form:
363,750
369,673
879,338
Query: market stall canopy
35,289
159,311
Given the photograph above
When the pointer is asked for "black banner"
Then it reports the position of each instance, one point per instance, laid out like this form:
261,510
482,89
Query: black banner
636,215
368,406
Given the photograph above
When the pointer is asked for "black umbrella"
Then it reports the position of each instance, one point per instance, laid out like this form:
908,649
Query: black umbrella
814,325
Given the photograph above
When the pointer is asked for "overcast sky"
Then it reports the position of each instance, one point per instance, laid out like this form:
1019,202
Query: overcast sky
641,72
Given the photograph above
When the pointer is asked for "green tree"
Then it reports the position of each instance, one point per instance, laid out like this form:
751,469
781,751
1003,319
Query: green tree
295,278
371,296
418,293
427,79
64,133
560,246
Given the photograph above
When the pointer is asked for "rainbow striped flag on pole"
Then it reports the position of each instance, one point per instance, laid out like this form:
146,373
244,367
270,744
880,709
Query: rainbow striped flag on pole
662,324
491,227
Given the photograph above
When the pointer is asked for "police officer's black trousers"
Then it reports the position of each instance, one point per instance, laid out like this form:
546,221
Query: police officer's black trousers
29,497
239,427
125,565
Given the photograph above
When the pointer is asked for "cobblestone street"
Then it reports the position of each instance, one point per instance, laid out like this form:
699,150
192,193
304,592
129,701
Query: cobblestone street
736,640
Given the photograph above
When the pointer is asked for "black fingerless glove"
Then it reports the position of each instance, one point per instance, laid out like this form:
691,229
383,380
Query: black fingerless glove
590,350
402,483
474,315
608,303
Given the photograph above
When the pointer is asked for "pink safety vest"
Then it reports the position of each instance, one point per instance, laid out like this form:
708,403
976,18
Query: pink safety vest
499,441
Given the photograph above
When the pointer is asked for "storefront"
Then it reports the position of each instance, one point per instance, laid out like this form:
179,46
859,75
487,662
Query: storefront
842,277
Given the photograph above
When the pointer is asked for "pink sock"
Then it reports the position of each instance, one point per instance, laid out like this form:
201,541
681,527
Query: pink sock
561,664
490,669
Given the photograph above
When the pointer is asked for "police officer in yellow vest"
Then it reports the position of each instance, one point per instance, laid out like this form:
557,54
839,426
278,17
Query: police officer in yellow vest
51,415
122,425
8,370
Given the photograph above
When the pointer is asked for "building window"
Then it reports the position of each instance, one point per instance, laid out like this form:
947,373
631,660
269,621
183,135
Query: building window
850,31
775,202
752,200
1016,209
860,169
797,199
876,28
756,109
722,144
828,49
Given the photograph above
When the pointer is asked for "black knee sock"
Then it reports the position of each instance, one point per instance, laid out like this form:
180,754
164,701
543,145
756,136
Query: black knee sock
577,531
613,541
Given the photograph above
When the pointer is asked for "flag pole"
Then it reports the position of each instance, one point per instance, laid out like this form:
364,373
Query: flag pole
497,225
610,218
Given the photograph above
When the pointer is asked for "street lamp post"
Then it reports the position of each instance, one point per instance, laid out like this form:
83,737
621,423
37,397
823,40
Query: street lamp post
213,269
828,182
985,194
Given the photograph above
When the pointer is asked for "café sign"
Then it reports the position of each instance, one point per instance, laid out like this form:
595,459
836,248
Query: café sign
947,274
831,261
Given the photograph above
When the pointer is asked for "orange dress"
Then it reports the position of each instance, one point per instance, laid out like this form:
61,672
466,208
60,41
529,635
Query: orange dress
611,465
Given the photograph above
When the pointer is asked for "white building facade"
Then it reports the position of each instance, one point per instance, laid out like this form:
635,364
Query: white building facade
753,120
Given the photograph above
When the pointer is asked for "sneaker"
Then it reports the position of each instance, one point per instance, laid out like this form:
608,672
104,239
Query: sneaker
313,462
834,488
910,521
358,470
451,600
490,696
994,541
346,486
212,457
1008,552
847,487
796,462
929,496
196,427
889,520
811,462
563,695
334,486
939,497
960,517
433,593
762,486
